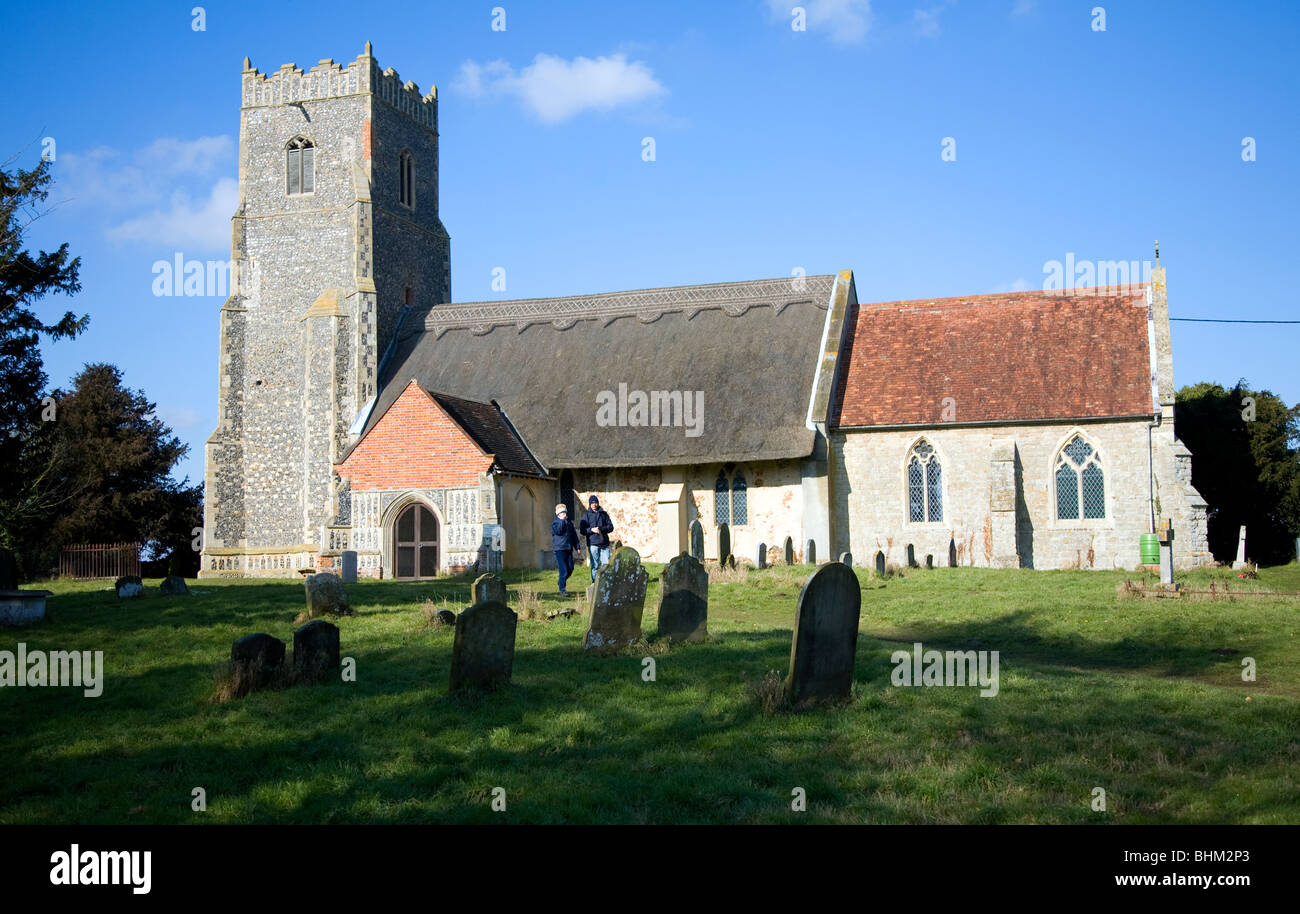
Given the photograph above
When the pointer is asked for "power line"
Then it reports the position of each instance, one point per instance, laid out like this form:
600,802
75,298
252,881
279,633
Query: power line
1224,320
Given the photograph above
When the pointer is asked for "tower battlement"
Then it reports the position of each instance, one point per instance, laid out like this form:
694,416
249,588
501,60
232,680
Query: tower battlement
328,79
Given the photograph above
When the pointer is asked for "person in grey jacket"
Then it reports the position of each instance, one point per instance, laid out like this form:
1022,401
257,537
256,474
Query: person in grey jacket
564,539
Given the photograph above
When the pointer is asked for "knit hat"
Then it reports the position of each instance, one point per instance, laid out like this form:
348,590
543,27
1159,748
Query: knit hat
593,500
560,509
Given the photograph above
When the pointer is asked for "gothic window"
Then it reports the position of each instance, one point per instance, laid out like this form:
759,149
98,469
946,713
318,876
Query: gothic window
300,166
739,500
1080,482
731,499
721,501
924,484
406,179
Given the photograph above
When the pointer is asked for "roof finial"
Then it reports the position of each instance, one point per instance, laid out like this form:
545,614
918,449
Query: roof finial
369,50
248,65
1157,253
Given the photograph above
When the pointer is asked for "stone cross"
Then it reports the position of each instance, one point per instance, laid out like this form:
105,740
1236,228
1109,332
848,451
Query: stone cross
483,652
724,543
488,588
684,599
825,636
697,540
617,603
762,555
789,550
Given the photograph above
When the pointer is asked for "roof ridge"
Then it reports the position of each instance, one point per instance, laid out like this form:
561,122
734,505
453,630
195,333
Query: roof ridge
1129,290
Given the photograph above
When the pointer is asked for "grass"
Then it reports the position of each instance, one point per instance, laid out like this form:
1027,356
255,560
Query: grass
1141,697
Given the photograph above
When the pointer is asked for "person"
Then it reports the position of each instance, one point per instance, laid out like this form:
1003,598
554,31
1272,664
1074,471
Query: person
596,527
564,539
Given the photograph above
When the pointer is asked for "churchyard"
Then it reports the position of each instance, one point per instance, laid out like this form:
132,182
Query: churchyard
1098,688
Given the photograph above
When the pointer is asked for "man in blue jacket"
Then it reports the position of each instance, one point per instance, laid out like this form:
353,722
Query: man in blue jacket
564,539
596,527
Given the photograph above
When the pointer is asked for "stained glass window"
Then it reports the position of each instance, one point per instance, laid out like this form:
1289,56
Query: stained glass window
1080,482
721,502
924,485
915,491
739,500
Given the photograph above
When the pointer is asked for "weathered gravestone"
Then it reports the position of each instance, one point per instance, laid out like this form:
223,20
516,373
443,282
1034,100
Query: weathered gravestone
483,653
316,648
348,566
724,543
697,540
128,586
789,550
846,558
762,555
684,599
255,659
825,636
325,594
8,570
173,585
880,563
617,602
488,588
1241,550
810,553
446,617
774,555
952,553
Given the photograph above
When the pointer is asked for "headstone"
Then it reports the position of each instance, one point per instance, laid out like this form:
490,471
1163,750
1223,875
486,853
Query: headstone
348,566
929,561
483,653
173,585
1165,536
22,607
697,540
952,553
617,603
316,648
880,563
618,544
254,659
488,588
684,599
762,555
8,570
731,560
911,556
1241,550
325,594
825,635
789,550
446,617
724,542
810,552
846,558
128,586
774,555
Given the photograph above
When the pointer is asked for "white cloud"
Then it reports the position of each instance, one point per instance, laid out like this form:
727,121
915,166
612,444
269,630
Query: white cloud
203,225
178,418
110,178
846,21
927,21
555,89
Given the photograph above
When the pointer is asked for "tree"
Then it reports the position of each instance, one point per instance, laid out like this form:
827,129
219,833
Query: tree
1245,448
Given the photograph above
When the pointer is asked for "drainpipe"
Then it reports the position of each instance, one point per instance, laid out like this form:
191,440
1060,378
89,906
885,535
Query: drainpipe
1151,476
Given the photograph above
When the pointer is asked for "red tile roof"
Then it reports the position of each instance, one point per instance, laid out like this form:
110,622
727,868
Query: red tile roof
1018,356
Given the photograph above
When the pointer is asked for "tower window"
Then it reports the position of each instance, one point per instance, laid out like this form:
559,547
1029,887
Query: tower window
300,168
406,179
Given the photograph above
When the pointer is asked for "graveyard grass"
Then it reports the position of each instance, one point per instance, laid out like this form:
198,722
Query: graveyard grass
1143,698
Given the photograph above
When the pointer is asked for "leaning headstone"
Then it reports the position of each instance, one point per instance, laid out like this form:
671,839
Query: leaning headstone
348,566
697,540
173,585
483,653
825,635
724,542
880,563
316,648
325,594
789,550
1241,550
810,553
128,586
8,570
488,588
617,603
762,555
846,558
684,599
255,659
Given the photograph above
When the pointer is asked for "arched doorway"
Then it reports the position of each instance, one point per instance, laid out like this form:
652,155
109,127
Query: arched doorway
568,496
415,544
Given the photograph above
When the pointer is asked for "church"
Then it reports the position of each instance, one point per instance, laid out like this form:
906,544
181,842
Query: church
361,409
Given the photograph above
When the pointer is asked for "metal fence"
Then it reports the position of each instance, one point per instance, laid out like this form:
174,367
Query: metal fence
100,560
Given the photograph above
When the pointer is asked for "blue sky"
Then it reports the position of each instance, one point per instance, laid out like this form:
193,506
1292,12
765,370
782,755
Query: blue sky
775,150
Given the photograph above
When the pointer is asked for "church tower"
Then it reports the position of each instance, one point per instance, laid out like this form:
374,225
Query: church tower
336,235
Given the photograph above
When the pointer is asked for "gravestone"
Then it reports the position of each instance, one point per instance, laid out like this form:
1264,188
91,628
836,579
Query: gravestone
8,570
789,550
880,563
483,653
325,594
316,648
617,602
684,599
697,540
911,556
488,588
929,561
173,585
1241,550
724,543
774,555
846,558
348,566
446,617
762,555
952,553
128,586
825,636
810,552
731,560
255,659
1165,535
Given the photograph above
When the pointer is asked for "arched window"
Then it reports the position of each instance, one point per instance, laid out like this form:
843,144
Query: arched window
300,169
721,502
924,484
739,500
730,498
406,179
1080,482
